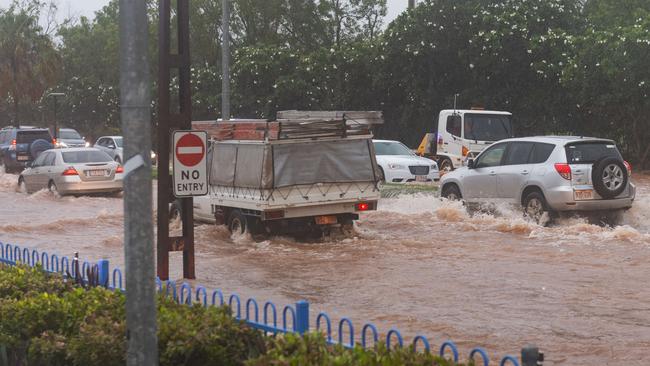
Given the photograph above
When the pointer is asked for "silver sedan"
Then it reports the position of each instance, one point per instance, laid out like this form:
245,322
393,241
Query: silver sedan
73,171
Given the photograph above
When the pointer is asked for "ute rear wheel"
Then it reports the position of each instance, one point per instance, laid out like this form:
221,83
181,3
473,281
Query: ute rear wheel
237,222
52,187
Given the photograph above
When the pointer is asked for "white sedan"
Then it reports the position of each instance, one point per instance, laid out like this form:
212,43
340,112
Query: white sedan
398,164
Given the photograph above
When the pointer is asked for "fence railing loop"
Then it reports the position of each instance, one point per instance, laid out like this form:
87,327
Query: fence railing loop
216,293
66,269
452,346
186,294
510,359
271,305
45,261
200,290
230,300
350,329
117,274
24,257
257,310
35,257
482,352
328,322
375,334
286,309
421,339
397,334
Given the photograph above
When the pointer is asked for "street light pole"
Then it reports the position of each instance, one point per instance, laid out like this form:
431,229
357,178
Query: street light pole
135,113
225,61
411,4
56,126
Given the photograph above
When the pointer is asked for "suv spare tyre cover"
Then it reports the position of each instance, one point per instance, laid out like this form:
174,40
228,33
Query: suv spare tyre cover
609,176
38,146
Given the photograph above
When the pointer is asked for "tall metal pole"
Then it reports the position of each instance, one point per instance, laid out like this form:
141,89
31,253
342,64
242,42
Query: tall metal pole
411,4
135,109
225,61
56,126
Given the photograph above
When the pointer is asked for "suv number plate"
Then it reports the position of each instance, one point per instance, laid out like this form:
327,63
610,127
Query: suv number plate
420,178
22,158
583,194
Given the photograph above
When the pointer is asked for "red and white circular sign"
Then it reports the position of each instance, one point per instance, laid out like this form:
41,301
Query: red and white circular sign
190,150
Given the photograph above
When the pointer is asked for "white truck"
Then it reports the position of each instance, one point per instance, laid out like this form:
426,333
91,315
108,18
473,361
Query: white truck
462,134
304,173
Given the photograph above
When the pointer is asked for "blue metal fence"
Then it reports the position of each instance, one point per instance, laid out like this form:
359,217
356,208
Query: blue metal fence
294,318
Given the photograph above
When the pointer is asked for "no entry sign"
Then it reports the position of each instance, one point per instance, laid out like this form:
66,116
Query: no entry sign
190,163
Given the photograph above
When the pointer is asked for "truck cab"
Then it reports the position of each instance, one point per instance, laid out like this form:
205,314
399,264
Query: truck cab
462,134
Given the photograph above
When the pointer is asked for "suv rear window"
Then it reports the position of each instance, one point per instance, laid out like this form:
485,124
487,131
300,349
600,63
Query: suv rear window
590,152
27,137
86,156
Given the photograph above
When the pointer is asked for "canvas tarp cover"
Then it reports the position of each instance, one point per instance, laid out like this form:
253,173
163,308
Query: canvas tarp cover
322,162
273,166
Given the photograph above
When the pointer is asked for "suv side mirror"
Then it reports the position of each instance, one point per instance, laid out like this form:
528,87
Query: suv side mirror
470,164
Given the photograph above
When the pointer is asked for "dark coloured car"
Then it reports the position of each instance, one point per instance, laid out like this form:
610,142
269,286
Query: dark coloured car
69,137
19,146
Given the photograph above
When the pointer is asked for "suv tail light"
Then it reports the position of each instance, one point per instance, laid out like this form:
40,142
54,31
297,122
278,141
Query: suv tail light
70,171
119,169
628,166
54,142
13,145
564,170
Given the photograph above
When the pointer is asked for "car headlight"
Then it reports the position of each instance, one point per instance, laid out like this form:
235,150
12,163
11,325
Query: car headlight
61,144
153,155
434,167
87,144
395,166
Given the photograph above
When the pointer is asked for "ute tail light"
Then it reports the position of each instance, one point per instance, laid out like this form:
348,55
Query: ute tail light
54,142
119,169
628,166
564,170
364,206
70,171
13,145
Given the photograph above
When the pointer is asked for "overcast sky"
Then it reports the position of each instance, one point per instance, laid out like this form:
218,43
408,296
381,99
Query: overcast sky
75,8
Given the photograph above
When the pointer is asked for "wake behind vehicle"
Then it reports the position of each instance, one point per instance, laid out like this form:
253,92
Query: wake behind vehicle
72,171
547,175
20,146
307,172
398,164
462,134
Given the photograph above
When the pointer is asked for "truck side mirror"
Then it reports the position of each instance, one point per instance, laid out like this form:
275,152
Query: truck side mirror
470,163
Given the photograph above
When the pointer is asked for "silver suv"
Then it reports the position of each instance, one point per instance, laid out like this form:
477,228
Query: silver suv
546,175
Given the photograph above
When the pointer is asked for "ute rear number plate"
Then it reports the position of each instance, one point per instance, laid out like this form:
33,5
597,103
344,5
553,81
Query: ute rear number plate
583,194
96,173
22,158
326,220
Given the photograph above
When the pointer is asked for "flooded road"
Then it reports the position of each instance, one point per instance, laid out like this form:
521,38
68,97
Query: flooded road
423,265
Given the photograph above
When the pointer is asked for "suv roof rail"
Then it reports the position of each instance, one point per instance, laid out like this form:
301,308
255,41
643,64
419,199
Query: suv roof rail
7,127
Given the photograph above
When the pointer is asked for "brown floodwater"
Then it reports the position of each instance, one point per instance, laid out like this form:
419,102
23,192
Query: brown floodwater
423,265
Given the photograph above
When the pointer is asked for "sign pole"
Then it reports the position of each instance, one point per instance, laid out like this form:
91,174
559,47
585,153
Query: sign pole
169,121
135,113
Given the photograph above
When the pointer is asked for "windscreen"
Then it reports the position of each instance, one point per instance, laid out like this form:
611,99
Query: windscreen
69,134
391,148
85,156
487,127
119,141
590,152
27,137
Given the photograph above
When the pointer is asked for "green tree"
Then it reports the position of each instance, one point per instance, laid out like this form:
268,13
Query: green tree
29,64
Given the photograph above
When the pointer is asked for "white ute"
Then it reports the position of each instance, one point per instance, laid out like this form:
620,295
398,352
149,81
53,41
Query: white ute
307,172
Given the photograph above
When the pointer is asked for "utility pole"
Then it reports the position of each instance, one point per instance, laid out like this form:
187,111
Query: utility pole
56,126
135,111
411,4
225,61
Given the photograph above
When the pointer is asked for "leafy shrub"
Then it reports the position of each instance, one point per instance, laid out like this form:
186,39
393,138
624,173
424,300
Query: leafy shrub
17,282
312,349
